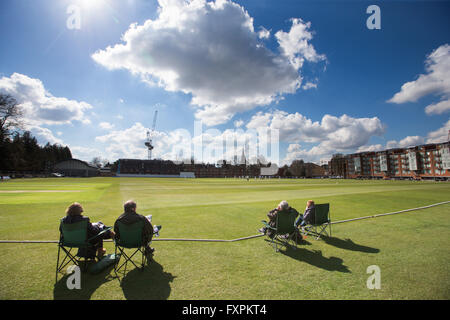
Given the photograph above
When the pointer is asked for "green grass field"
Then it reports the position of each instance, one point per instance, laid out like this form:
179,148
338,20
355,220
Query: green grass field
411,249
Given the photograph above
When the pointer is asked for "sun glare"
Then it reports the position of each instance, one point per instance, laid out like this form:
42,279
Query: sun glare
91,4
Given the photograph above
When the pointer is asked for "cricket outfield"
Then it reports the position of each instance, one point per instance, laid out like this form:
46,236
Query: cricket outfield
411,249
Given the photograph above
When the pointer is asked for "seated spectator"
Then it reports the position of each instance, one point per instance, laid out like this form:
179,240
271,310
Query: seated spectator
308,216
73,215
131,216
282,206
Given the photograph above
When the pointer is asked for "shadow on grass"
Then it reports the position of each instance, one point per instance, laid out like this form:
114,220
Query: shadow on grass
315,258
89,284
151,283
283,243
348,244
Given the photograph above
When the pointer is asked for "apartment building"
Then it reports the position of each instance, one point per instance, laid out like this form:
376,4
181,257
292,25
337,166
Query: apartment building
430,161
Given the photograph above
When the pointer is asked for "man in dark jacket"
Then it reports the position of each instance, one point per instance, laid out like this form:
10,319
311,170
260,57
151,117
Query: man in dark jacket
272,215
130,216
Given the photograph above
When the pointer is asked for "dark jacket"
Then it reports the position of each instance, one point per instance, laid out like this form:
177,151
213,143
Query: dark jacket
93,230
273,215
309,215
132,217
273,219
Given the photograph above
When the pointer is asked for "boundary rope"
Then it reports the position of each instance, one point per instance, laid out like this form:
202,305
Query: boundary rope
244,238
391,213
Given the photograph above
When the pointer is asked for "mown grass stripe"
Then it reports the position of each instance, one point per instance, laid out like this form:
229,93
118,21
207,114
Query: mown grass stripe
243,238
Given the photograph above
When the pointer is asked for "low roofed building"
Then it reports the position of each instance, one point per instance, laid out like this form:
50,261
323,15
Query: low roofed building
76,168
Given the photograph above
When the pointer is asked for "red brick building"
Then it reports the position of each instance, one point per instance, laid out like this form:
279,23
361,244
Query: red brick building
169,168
430,161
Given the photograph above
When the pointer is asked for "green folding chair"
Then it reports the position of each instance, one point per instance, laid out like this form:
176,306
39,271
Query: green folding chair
74,235
285,230
130,237
322,220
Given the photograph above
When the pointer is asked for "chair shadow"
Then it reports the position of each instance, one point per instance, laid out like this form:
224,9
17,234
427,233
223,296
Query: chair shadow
315,258
89,284
151,283
283,243
348,244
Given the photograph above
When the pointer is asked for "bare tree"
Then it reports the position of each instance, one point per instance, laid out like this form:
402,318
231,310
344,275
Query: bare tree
99,162
96,162
10,115
297,168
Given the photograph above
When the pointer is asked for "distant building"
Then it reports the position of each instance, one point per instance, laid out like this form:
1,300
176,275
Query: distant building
313,170
169,168
106,172
76,168
430,161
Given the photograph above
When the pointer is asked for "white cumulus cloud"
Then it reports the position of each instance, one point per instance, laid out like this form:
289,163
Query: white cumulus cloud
40,108
332,134
209,146
238,123
84,153
339,133
129,143
210,50
44,135
371,148
438,108
39,105
309,85
439,135
435,81
295,44
106,125
263,33
409,141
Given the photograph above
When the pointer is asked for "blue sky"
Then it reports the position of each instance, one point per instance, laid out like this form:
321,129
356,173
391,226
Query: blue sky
310,69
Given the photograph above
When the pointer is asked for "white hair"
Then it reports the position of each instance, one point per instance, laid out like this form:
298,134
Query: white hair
283,205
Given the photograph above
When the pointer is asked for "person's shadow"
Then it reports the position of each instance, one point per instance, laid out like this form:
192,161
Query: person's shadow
348,244
89,284
151,283
315,258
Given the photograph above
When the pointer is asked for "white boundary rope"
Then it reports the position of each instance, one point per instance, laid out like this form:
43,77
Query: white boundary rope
244,238
391,213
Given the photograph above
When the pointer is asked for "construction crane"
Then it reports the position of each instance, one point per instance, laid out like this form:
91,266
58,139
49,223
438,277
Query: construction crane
149,142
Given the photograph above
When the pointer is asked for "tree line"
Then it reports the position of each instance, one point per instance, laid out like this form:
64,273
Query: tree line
19,150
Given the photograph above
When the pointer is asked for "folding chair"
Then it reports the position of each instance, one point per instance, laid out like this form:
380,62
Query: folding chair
74,235
285,229
130,237
322,220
